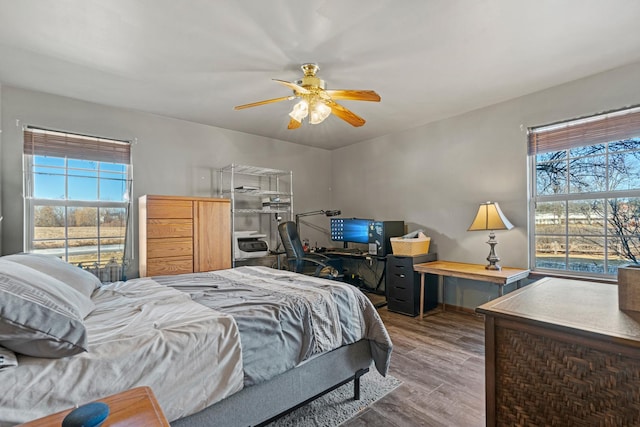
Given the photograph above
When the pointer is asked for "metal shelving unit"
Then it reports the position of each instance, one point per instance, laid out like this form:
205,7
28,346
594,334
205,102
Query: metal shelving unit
248,188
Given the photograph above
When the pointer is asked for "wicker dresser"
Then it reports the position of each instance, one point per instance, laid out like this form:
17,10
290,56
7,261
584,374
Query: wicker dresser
560,352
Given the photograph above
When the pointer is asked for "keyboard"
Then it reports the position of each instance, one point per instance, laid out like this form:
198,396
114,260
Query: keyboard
351,250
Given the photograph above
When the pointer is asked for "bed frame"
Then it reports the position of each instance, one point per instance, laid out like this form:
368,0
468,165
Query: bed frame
262,403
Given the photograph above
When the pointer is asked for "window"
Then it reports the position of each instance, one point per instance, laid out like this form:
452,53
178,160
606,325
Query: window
77,198
585,194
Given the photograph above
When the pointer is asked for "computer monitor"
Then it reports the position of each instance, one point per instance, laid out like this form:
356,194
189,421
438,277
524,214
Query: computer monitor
350,230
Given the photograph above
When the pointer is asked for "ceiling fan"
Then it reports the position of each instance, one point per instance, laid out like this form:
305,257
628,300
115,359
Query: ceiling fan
316,102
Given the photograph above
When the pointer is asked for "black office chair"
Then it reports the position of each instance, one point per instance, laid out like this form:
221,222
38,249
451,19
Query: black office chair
312,264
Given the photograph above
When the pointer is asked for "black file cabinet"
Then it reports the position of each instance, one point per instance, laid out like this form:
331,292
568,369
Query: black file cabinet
403,284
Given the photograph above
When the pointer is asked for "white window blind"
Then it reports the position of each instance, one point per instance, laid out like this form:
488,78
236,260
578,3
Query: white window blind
618,125
41,142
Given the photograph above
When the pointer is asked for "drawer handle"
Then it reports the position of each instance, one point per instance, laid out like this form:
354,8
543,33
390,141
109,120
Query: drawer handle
402,276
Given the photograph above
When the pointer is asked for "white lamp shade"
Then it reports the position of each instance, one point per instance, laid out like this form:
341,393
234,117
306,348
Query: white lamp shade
490,217
319,112
300,111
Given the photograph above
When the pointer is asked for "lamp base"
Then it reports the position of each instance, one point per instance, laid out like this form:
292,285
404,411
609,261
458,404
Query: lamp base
493,258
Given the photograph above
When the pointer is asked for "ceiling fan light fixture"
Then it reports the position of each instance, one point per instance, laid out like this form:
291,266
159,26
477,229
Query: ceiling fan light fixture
319,112
316,102
300,111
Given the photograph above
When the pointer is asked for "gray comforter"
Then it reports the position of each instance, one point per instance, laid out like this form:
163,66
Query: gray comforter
286,318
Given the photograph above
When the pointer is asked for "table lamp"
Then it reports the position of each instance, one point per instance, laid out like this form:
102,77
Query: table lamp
490,217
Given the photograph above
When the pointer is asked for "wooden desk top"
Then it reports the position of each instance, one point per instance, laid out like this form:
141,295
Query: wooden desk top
472,271
136,407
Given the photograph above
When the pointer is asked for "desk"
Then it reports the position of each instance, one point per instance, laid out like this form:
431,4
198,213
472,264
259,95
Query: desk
467,271
359,257
132,408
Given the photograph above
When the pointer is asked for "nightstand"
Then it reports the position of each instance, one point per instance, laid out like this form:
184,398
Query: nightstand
131,408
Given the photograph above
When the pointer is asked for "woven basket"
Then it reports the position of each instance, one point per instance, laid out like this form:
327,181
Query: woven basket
410,247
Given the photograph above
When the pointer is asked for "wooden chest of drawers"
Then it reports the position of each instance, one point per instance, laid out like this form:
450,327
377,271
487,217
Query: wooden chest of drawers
183,235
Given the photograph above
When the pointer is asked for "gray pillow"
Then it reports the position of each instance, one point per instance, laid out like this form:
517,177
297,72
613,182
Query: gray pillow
79,279
39,315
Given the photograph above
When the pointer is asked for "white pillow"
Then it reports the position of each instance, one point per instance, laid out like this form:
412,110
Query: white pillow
39,315
79,279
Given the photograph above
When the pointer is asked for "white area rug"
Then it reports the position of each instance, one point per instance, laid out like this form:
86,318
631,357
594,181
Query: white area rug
338,406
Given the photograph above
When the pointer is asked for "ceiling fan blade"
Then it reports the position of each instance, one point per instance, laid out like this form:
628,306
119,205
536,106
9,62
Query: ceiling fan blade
346,114
296,88
268,101
294,124
353,95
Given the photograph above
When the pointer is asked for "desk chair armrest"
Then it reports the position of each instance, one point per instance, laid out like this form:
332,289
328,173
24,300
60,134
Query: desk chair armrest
315,261
320,263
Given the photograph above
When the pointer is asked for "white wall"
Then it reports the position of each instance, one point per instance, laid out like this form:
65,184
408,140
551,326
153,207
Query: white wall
1,221
171,157
434,176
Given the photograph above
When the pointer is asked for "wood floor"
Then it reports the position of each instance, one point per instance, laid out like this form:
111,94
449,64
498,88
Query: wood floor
440,360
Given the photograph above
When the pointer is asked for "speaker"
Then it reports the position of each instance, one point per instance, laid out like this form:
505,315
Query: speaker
380,233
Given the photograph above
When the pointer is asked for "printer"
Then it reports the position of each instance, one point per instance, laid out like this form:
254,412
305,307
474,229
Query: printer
249,244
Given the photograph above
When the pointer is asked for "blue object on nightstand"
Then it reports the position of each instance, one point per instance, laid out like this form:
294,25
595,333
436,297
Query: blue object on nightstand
89,415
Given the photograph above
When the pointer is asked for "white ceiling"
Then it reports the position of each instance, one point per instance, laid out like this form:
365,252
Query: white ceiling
196,59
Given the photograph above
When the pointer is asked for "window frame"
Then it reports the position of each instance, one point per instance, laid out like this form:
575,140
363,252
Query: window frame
569,195
31,202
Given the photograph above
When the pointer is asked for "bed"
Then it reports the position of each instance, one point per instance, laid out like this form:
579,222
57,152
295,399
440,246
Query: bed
230,347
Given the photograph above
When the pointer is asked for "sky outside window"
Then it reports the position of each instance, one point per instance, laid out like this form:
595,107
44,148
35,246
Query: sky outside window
87,180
